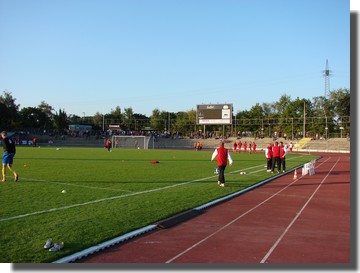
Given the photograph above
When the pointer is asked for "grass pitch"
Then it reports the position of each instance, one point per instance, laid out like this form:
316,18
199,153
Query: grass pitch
85,196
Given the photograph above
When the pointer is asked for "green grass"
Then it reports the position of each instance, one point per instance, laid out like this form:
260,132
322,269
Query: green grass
107,194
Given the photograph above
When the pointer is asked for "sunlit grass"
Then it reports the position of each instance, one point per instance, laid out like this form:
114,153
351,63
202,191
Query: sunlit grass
107,194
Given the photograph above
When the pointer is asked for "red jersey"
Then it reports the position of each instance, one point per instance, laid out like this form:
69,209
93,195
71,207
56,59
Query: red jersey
276,151
222,156
108,143
282,152
268,152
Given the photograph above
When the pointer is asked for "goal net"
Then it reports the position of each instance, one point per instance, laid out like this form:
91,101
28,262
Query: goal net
134,142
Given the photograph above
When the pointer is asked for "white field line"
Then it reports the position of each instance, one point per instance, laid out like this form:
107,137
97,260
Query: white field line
72,185
106,244
99,200
296,216
111,198
236,219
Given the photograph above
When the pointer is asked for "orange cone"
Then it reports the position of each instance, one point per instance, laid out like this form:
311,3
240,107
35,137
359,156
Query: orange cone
295,174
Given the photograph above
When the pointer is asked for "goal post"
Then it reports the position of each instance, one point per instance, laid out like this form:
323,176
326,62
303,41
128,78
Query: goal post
132,142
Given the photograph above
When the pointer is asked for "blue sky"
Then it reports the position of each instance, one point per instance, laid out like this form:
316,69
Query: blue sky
88,56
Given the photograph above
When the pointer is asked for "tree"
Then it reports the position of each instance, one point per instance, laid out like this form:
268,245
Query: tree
282,104
244,120
116,115
5,121
269,109
10,119
295,110
32,119
48,122
99,121
257,113
60,120
73,119
284,115
250,120
141,121
156,123
183,123
128,117
324,113
341,100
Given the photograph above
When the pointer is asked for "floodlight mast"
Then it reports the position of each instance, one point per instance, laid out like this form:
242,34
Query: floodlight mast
326,74
327,79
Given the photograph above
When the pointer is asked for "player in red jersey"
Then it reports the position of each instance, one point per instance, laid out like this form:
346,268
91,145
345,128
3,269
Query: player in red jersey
275,157
239,146
283,153
268,156
234,147
108,145
222,156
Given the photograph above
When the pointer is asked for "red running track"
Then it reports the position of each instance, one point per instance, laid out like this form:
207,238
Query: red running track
304,220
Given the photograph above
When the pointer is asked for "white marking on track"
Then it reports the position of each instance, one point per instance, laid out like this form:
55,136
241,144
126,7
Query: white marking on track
296,216
237,218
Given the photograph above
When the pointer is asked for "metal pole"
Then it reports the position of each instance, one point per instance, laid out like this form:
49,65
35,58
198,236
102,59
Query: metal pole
103,123
304,129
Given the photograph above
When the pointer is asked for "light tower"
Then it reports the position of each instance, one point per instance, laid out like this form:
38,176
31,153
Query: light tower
327,74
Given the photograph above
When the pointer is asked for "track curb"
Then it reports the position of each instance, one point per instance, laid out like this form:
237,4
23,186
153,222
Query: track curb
165,223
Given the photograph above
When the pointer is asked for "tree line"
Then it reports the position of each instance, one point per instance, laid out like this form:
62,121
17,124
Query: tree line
325,116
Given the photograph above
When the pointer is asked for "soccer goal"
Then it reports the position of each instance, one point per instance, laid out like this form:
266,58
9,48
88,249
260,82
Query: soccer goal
135,142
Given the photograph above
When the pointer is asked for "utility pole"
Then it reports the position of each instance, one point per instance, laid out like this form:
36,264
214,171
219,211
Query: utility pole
304,129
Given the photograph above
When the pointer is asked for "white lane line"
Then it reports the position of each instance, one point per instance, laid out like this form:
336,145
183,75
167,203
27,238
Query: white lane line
237,218
296,217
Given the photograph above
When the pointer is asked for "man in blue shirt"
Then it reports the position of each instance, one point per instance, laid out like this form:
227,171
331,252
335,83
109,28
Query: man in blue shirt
8,156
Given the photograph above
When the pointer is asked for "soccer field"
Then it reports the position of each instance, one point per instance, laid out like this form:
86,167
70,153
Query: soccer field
84,196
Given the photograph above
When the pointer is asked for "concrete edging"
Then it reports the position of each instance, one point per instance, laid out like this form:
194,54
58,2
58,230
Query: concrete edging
140,231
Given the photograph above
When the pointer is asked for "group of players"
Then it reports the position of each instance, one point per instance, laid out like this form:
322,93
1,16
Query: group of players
247,147
275,154
198,146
